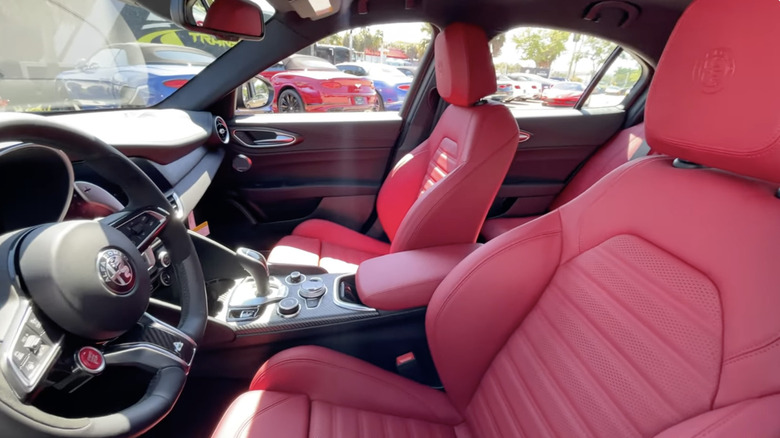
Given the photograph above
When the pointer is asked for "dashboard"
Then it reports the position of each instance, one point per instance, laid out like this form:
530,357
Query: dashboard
180,151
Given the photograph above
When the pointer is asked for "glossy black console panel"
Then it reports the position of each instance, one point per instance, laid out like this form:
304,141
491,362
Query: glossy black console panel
329,308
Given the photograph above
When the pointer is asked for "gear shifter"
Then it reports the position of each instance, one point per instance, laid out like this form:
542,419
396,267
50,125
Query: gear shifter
255,264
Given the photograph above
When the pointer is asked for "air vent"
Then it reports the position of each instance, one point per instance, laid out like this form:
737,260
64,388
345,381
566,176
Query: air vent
221,128
176,207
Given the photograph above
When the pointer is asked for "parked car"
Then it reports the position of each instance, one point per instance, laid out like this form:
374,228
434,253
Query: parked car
390,84
563,94
305,83
544,82
508,89
505,89
408,70
130,74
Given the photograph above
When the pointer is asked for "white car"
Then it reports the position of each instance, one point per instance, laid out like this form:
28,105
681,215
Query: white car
510,89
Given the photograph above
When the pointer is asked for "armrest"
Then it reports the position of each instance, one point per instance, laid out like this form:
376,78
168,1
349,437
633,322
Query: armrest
407,279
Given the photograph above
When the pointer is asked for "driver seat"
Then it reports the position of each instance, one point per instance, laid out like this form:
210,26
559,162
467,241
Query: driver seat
596,319
455,173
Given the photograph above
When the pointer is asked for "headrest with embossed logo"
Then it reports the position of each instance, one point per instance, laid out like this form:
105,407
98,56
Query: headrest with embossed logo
715,97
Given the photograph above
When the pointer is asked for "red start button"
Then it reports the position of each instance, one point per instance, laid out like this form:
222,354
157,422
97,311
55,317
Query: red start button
91,359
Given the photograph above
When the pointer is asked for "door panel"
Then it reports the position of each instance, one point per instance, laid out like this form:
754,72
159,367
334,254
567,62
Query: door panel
332,170
561,140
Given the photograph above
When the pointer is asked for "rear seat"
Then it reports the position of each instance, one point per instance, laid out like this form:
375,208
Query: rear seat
623,147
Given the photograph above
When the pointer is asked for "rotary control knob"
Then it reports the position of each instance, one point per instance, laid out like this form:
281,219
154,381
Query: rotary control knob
312,288
288,307
164,258
295,277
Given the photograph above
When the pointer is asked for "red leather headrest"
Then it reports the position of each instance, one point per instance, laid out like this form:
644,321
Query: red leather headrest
464,66
714,99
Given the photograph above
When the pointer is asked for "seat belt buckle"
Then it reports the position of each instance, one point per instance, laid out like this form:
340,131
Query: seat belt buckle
407,366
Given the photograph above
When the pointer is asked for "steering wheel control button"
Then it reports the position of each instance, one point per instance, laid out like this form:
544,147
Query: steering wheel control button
116,271
30,367
34,323
312,288
295,277
90,360
288,307
142,228
164,258
165,278
33,344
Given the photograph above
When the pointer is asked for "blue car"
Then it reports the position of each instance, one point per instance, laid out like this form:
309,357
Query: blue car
130,74
390,84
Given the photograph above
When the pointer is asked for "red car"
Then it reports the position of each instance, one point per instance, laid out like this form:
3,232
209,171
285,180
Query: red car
307,83
563,94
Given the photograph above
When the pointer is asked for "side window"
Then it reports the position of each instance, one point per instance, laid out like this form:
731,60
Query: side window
539,68
356,71
617,82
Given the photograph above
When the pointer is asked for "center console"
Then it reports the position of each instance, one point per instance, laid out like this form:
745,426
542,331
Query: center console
294,300
257,309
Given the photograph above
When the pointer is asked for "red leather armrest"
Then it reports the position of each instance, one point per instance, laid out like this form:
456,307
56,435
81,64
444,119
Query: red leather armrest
407,279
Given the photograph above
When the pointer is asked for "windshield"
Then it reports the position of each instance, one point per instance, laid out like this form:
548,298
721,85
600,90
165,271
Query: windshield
75,55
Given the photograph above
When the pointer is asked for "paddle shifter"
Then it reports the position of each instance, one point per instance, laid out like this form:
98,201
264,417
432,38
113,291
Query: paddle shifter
255,264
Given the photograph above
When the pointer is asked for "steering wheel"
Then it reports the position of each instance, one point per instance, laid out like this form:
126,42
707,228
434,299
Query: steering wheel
76,292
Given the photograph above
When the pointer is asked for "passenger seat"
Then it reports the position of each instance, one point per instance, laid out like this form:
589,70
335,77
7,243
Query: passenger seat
623,147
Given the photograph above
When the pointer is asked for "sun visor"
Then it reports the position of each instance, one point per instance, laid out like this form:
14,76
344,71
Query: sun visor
315,9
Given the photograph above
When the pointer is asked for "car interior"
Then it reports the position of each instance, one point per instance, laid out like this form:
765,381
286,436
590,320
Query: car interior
207,265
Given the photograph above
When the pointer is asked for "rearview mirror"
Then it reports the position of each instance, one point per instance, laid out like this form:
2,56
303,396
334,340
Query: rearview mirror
227,19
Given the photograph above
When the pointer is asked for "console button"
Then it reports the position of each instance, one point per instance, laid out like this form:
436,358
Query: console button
288,307
312,288
295,277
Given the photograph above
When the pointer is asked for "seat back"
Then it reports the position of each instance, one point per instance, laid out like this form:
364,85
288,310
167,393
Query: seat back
647,305
620,149
440,192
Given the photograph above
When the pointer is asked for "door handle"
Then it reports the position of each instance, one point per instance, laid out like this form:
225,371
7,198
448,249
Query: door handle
280,140
265,138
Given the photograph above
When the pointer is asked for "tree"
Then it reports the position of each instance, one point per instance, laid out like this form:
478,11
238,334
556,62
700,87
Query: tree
365,39
497,43
595,49
337,39
542,46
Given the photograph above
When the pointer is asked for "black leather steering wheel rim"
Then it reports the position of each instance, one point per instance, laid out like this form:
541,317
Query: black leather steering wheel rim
141,192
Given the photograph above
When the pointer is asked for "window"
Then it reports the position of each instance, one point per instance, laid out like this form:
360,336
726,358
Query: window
357,71
539,68
617,82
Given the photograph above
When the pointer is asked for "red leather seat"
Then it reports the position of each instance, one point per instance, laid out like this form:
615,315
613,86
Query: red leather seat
455,173
622,148
647,306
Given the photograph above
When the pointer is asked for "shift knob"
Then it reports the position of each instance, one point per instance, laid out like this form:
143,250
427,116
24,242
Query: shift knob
255,264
